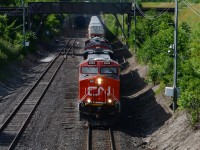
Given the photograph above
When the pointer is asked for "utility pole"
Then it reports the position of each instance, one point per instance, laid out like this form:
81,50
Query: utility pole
122,21
24,38
175,96
134,28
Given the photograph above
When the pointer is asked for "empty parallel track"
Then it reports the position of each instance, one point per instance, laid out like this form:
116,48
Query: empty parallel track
16,123
70,50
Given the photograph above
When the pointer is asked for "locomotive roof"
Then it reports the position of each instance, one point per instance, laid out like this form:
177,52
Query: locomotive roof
97,41
98,51
99,57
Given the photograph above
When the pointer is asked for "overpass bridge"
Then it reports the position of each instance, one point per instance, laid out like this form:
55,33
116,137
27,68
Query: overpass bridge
77,8
94,8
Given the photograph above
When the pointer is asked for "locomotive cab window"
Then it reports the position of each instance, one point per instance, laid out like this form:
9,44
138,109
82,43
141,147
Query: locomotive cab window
109,70
89,70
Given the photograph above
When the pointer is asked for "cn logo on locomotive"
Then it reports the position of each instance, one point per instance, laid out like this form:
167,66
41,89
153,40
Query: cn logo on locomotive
96,91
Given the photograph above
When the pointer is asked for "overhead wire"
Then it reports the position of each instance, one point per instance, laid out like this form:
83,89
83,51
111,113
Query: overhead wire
193,9
148,16
182,59
197,12
193,6
189,5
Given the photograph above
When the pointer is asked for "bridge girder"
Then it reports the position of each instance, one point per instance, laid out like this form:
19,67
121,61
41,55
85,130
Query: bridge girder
79,8
76,8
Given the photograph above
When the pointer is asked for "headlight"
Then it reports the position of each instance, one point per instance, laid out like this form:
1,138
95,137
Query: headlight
89,100
109,100
99,81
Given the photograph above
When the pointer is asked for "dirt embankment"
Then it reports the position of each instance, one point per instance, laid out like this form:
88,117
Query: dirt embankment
150,115
19,77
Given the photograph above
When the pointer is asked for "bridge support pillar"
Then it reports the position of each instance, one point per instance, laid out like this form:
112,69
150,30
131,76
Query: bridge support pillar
120,26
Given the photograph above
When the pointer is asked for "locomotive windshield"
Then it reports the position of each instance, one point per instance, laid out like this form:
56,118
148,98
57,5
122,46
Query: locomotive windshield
89,70
109,70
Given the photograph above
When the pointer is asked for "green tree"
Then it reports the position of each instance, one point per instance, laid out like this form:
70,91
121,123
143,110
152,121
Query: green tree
190,77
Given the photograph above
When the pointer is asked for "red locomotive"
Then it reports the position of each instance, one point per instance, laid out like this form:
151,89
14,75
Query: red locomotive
99,81
97,44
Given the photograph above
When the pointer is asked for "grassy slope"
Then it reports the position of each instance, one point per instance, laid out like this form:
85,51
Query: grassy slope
158,4
185,14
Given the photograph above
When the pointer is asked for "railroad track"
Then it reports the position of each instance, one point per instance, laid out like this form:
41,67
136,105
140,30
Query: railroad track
14,126
69,50
100,139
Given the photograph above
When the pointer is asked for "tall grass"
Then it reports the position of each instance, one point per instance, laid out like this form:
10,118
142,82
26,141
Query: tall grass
192,19
158,4
185,13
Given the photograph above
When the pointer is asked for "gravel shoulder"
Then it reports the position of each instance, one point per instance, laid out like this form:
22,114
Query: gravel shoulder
22,75
150,117
160,127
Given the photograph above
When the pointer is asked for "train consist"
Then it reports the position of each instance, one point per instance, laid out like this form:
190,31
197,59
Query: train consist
99,77
95,28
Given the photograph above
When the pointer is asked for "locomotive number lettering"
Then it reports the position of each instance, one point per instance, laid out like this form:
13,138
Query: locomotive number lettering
95,91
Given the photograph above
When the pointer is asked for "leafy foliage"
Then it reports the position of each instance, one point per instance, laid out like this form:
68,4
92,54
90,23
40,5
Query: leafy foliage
153,39
19,2
52,23
190,79
11,40
9,48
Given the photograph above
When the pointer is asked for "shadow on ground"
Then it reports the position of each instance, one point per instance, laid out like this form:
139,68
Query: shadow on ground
141,114
18,74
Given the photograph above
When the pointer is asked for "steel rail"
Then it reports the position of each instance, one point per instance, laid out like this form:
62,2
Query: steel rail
73,55
89,138
67,51
112,141
67,44
13,144
9,119
27,95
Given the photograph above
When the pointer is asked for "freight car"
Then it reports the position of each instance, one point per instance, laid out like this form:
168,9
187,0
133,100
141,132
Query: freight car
95,28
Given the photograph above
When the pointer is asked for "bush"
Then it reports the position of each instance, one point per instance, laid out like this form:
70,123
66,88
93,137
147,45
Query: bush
10,50
153,38
3,58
